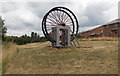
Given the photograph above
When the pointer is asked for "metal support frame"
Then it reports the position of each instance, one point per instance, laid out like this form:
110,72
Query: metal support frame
66,34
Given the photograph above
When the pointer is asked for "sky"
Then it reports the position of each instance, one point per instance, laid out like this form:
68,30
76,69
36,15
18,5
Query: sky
23,16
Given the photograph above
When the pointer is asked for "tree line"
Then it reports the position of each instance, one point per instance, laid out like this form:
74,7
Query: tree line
24,39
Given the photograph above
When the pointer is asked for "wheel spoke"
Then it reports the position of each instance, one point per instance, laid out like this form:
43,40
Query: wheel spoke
52,20
69,23
51,25
66,17
67,20
61,13
58,15
52,17
53,14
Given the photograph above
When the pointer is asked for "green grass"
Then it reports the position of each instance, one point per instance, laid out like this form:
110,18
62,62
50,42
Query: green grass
0,56
8,52
92,57
4,64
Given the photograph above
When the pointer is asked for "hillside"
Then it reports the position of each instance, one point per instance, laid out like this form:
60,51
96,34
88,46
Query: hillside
98,57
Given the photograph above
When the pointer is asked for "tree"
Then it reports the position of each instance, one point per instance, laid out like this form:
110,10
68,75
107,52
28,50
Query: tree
32,34
78,36
38,36
35,34
3,29
22,40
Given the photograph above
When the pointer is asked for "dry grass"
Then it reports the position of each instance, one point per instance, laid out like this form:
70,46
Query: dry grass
100,39
92,57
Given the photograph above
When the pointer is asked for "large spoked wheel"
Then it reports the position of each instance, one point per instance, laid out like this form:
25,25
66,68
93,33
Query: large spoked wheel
59,16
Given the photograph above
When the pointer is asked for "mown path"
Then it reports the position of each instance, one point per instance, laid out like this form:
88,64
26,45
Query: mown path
91,57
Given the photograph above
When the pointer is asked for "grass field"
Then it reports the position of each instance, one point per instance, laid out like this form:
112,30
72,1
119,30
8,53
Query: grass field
92,57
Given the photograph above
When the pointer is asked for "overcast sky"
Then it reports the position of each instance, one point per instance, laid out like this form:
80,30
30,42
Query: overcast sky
23,17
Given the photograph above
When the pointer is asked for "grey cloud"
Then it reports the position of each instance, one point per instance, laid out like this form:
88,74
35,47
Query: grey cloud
41,8
95,14
14,19
32,27
23,26
9,6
